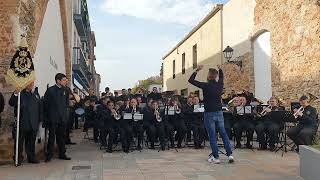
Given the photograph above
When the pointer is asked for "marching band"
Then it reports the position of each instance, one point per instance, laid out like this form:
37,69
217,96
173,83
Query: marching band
163,120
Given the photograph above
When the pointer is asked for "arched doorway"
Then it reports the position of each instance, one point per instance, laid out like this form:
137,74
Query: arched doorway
262,66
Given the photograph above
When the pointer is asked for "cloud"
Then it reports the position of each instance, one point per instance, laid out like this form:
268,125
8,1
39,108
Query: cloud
184,12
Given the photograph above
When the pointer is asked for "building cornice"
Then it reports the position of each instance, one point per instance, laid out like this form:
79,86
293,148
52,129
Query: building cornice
215,10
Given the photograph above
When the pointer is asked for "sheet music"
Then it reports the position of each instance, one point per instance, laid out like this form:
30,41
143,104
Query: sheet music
248,110
240,110
170,111
138,116
127,116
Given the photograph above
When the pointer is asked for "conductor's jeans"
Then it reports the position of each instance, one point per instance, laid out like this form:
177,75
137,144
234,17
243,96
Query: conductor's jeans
58,132
302,135
211,120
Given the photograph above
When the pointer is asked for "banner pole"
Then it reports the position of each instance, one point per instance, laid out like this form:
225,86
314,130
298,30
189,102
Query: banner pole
17,132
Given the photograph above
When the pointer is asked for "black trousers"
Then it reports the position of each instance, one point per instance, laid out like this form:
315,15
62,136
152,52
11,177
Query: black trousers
126,136
26,139
154,131
178,126
138,131
199,133
269,129
58,133
301,135
243,126
105,131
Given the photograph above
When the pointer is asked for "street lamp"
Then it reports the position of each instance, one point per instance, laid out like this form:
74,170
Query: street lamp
228,53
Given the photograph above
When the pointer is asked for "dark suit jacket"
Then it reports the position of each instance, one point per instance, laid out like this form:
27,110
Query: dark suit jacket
55,105
29,110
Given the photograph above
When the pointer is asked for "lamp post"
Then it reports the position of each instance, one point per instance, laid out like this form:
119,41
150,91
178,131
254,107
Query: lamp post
228,53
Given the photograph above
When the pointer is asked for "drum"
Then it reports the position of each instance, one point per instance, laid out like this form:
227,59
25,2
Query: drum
79,111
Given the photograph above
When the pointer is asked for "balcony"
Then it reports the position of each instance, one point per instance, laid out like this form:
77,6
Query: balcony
80,68
80,23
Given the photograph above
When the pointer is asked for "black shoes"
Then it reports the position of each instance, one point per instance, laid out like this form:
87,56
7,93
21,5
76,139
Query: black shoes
64,157
70,143
48,159
238,146
33,161
109,150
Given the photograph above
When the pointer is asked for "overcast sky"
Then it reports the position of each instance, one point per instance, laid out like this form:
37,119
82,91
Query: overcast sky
133,35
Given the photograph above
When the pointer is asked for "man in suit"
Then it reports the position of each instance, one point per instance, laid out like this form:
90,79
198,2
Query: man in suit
29,121
55,109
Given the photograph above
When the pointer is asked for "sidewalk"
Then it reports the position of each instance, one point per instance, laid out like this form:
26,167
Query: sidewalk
89,163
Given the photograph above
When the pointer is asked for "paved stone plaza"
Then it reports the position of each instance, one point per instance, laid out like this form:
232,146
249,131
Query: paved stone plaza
150,164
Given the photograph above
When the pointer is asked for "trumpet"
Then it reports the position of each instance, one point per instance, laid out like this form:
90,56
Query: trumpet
116,115
300,110
134,109
264,111
157,114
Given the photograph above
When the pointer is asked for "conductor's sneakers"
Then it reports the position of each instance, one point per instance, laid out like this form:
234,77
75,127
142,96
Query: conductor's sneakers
213,160
230,159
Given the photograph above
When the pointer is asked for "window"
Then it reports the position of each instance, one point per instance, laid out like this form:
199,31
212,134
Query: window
174,69
183,63
195,56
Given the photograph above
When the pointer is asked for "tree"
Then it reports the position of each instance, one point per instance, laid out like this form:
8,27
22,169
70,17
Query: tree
144,84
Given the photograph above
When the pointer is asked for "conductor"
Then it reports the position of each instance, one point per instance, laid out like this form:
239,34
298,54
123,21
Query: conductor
213,116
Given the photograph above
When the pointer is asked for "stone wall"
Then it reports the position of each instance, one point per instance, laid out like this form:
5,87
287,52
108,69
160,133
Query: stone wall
14,15
295,39
237,78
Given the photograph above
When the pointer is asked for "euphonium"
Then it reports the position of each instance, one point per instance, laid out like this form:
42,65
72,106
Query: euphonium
157,114
177,109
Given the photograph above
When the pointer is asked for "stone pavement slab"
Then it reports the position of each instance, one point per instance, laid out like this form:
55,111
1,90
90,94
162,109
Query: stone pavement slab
187,164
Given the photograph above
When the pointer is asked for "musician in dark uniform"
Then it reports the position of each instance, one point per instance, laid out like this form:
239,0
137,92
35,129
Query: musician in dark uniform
125,129
307,127
188,115
55,109
243,123
124,96
105,114
137,126
90,117
155,95
197,125
269,126
154,125
175,123
29,121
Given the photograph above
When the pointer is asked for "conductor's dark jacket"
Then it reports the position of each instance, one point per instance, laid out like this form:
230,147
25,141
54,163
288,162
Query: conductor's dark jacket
55,106
29,110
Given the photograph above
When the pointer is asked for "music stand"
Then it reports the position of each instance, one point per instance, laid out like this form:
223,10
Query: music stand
286,117
166,118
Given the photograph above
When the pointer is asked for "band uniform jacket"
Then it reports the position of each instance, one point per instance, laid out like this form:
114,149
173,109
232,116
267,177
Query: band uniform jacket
30,113
56,101
309,117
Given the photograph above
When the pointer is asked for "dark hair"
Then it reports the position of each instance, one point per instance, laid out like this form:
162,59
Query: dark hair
59,77
212,74
107,88
116,92
123,89
102,94
129,89
304,97
110,102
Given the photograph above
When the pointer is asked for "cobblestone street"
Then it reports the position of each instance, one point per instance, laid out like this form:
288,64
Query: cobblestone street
151,164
